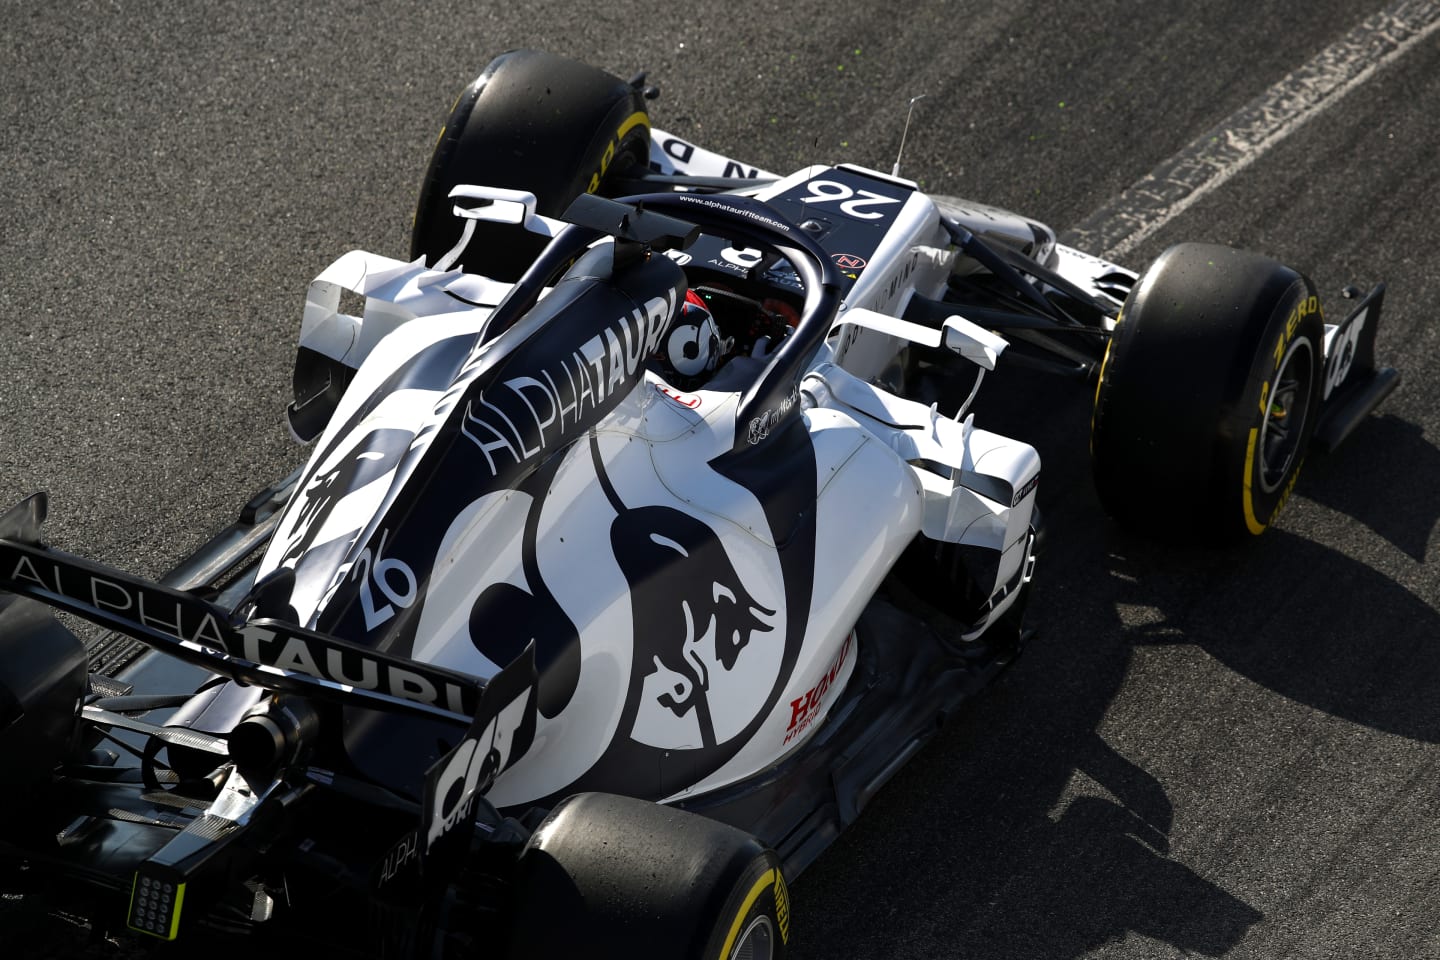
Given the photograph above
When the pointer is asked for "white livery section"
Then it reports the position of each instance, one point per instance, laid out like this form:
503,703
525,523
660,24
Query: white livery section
694,632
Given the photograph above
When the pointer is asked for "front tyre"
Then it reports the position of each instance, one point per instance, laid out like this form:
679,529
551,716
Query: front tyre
609,876
1208,396
531,121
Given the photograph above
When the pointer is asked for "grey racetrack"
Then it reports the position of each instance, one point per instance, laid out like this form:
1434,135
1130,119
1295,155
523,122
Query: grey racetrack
1204,753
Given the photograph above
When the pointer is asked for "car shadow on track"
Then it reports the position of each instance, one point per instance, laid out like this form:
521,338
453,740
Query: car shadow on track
1022,832
1385,477
1318,628
1304,618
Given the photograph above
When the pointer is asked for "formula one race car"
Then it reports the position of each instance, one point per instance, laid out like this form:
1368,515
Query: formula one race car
646,534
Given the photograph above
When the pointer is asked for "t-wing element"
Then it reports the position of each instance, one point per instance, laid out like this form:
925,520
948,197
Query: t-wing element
494,205
956,334
632,222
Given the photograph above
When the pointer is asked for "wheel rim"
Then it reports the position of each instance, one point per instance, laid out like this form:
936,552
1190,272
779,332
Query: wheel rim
757,942
1282,425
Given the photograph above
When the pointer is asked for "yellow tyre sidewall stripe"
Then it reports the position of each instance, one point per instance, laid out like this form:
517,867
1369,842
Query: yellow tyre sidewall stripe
767,879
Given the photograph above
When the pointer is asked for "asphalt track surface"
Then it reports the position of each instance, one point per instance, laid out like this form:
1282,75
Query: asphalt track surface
1204,753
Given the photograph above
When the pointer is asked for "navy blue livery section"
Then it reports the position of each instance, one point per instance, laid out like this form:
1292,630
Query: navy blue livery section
846,213
264,652
519,400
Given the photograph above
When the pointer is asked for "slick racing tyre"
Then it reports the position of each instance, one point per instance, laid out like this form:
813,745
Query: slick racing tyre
1208,395
531,121
607,876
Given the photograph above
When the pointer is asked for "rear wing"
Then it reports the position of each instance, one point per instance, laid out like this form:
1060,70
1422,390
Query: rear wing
264,652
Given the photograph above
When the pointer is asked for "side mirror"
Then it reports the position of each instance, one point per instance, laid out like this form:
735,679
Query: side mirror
973,342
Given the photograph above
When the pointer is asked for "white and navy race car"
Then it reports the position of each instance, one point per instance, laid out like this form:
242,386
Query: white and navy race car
646,533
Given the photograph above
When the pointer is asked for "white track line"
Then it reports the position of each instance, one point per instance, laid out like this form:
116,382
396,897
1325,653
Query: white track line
1246,135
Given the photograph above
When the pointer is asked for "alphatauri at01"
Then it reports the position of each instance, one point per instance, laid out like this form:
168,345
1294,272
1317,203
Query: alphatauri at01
647,531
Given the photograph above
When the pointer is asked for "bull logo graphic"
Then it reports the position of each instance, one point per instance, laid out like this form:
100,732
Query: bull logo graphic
375,454
707,652
311,545
692,635
704,646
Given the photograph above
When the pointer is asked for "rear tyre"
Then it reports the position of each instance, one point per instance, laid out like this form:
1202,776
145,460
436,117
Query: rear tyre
531,121
1208,395
609,876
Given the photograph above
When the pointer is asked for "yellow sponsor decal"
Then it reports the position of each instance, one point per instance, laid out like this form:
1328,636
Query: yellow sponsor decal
782,907
636,119
1299,312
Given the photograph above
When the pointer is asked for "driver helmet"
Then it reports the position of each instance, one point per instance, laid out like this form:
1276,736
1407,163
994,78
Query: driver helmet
694,347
